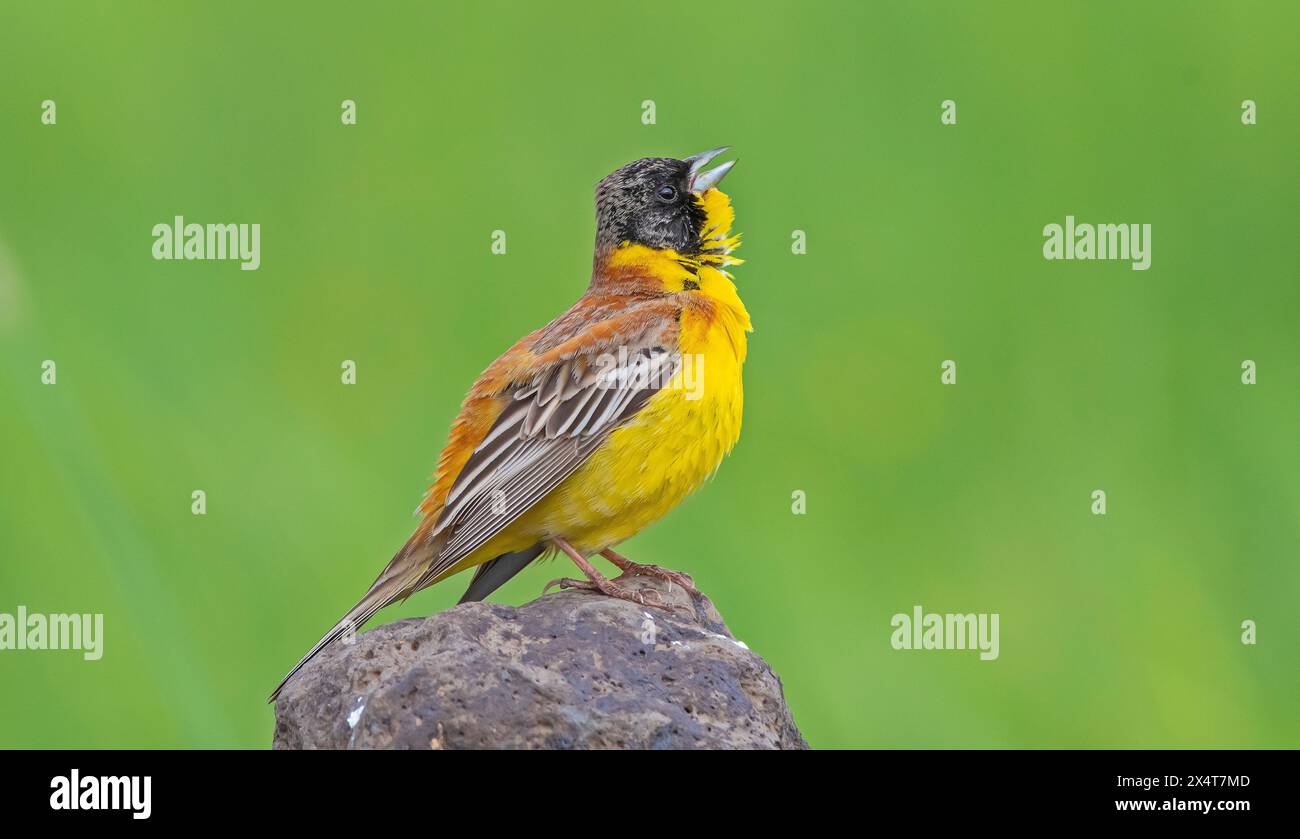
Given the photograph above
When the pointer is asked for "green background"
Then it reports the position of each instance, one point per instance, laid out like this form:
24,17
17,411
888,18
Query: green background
924,244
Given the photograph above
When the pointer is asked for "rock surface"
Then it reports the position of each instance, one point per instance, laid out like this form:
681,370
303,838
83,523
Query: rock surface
570,670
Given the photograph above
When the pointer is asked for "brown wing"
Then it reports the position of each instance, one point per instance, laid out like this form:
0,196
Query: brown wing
548,429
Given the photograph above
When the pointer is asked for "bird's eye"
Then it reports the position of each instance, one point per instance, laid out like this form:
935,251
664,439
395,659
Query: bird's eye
667,193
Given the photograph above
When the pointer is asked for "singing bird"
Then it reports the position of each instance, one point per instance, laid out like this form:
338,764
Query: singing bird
596,425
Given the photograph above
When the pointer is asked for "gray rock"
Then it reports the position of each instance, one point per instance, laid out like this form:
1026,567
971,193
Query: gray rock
570,670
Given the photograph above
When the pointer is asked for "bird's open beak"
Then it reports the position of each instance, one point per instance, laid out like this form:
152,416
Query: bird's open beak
701,180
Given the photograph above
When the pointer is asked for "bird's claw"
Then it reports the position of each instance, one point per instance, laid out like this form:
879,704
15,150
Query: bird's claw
642,597
567,583
679,578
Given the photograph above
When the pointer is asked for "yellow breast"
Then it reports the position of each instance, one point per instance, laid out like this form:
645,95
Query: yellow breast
674,443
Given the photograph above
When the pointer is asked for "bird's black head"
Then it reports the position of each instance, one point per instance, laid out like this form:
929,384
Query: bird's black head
653,202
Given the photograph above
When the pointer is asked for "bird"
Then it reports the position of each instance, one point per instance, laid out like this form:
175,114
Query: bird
595,426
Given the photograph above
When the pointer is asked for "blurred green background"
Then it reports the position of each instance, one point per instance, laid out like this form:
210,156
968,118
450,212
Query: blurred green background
924,244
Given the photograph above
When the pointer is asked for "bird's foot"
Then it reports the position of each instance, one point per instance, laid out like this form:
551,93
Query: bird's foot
643,597
637,569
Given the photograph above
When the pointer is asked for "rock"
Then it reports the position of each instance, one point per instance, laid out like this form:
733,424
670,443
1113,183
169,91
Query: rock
570,670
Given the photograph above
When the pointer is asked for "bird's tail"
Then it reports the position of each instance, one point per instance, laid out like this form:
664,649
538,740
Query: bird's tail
395,582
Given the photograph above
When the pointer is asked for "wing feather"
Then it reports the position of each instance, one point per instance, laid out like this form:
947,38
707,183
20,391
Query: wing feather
550,426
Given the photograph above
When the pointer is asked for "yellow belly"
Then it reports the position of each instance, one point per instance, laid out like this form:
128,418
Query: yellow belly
648,466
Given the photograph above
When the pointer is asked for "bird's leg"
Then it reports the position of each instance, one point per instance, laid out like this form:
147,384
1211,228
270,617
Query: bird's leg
597,581
638,569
